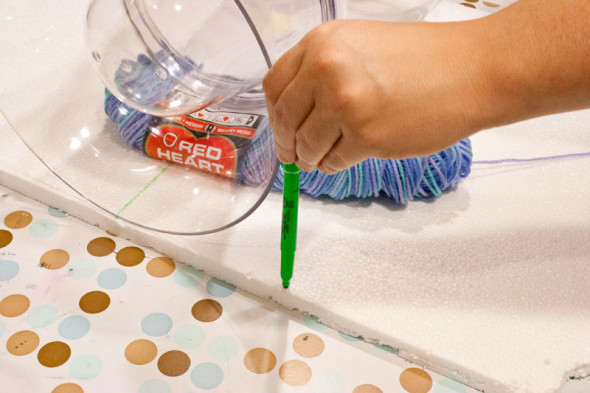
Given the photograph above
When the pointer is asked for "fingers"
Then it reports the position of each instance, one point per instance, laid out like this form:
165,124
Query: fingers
343,155
293,107
281,74
287,103
306,124
314,139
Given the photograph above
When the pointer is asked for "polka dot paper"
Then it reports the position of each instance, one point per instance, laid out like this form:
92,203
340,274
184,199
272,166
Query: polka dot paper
83,311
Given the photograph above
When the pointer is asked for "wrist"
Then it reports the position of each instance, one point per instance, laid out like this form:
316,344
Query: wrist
531,61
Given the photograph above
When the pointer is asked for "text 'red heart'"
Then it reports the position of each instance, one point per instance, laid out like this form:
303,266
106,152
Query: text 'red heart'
216,154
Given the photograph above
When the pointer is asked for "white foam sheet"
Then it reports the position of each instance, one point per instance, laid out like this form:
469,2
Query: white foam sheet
487,284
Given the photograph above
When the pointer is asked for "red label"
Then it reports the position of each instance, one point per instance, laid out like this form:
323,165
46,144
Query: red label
175,144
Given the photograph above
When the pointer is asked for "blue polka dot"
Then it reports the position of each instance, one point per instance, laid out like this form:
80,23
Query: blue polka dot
220,288
43,228
85,366
449,386
189,276
55,212
311,321
156,324
112,278
207,376
386,348
2,328
81,268
189,336
8,270
41,316
349,338
74,327
154,386
223,348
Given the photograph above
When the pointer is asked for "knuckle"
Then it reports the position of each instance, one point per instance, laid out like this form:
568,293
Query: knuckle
367,139
329,59
284,142
304,166
266,82
267,86
284,155
344,100
333,163
326,169
279,118
324,30
285,146
317,34
304,146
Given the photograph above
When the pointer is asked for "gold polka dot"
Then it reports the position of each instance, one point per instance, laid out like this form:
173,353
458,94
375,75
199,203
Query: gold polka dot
101,246
22,343
5,238
14,305
130,256
491,5
174,363
260,360
207,310
55,259
295,373
415,380
54,354
367,389
161,267
68,388
18,219
141,352
94,302
111,233
308,345
468,5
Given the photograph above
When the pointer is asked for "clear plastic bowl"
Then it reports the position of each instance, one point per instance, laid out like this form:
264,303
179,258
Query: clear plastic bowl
176,57
54,99
389,10
164,58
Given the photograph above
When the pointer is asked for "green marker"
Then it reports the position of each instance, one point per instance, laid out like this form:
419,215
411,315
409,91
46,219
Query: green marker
289,226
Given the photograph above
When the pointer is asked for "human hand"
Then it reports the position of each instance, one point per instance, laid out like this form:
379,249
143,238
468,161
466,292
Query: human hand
351,90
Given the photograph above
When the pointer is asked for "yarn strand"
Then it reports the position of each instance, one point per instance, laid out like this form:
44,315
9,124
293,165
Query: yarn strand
401,180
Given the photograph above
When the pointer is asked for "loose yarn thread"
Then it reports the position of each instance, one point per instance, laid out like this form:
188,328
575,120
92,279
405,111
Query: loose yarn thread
401,180
532,159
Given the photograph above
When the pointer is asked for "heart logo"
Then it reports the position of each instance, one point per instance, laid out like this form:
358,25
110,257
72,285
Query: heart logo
177,145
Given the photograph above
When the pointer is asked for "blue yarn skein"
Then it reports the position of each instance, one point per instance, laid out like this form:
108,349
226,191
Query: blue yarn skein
400,180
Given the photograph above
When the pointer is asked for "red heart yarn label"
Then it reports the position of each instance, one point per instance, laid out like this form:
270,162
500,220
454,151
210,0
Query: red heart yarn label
215,141
176,144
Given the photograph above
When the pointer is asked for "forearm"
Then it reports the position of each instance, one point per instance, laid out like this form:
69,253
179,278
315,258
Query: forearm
536,59
357,89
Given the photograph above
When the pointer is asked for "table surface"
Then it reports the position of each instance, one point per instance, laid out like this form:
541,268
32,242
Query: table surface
82,310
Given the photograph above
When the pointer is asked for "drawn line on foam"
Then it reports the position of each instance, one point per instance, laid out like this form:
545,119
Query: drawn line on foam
152,181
